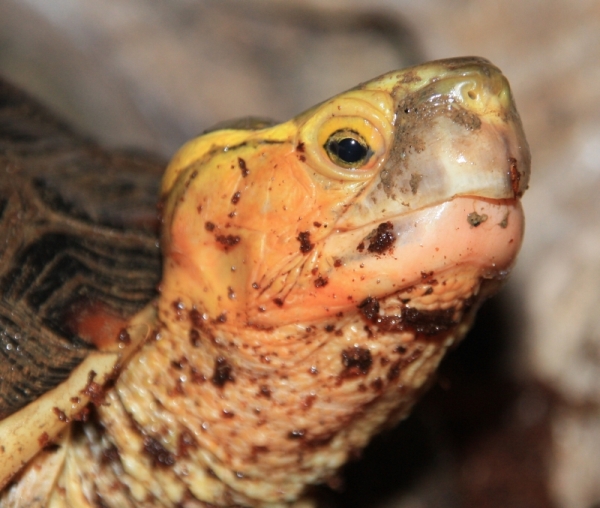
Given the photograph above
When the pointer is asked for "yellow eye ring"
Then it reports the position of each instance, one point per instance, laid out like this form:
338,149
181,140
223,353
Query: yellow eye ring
348,137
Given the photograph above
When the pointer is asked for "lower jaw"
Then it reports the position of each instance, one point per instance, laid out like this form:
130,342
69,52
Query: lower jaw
480,234
483,233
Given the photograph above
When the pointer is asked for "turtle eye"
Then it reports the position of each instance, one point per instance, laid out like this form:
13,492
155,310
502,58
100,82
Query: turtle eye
347,138
348,149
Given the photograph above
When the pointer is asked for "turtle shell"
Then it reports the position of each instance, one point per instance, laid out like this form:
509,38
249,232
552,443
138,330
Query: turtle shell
79,256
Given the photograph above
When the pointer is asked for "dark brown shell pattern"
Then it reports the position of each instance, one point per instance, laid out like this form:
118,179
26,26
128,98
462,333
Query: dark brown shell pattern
78,236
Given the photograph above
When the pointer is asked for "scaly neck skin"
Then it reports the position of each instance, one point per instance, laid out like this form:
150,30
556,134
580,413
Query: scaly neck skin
268,412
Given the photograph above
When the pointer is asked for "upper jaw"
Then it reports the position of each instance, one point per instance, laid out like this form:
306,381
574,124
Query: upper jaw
456,133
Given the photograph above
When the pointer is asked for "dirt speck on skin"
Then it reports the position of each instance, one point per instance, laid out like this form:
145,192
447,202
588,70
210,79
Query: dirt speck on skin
195,338
515,177
369,308
382,238
223,372
60,414
476,219
243,167
196,318
410,77
228,241
94,391
466,119
356,361
305,244
415,179
43,439
432,322
321,282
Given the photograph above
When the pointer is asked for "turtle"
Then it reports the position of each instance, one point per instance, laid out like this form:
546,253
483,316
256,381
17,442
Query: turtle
233,335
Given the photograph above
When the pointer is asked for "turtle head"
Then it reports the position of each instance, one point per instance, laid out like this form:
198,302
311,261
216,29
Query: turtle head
411,179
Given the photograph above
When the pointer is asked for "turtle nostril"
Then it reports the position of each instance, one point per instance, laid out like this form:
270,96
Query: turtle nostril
472,95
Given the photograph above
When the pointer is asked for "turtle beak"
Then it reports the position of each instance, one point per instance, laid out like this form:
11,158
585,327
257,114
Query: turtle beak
456,133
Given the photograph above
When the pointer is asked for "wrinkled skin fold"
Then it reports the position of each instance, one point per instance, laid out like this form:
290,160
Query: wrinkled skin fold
307,296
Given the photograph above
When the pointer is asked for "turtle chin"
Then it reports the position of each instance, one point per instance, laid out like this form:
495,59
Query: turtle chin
430,259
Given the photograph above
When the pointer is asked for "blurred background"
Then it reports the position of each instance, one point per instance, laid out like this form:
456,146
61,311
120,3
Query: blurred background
514,419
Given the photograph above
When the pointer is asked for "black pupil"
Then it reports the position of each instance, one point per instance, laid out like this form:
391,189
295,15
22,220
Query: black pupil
348,149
